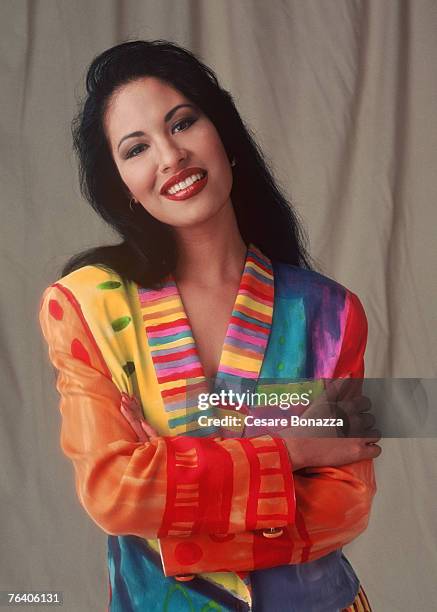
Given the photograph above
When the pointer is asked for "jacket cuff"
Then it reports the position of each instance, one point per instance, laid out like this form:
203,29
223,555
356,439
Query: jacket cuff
227,486
251,490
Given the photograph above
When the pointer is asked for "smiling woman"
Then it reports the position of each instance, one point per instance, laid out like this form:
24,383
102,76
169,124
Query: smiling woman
148,251
158,143
210,286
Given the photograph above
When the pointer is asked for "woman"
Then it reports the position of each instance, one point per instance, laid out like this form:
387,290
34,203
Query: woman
211,279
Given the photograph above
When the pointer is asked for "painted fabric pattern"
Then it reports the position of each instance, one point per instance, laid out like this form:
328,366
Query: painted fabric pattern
108,336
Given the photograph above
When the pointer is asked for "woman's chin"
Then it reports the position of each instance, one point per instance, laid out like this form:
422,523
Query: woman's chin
193,214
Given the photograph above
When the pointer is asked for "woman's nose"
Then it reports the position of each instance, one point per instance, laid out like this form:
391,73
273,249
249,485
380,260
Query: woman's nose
171,156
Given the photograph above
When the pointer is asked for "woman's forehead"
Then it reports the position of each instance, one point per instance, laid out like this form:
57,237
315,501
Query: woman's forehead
145,99
150,90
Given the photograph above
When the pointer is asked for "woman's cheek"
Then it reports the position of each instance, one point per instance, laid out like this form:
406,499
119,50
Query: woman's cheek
225,184
135,180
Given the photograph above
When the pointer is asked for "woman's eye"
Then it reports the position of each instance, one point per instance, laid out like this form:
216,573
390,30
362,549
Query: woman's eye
180,126
139,148
183,124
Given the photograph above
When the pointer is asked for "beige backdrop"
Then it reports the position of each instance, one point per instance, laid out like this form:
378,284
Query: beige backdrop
342,96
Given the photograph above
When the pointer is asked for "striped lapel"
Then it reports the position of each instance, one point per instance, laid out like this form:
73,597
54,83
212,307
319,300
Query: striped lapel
174,353
249,328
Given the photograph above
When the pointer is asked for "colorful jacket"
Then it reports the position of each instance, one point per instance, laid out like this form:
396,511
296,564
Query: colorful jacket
203,501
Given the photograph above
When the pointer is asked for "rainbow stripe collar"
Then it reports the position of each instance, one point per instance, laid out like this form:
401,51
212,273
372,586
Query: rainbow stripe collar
178,369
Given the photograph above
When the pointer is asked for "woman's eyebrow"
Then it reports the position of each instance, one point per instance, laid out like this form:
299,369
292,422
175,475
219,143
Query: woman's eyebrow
131,135
167,118
170,113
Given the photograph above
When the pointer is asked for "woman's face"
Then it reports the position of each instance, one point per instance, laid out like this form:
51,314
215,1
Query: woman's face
168,153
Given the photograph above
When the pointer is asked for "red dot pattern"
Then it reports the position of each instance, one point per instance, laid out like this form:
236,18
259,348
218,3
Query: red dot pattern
79,351
187,553
56,310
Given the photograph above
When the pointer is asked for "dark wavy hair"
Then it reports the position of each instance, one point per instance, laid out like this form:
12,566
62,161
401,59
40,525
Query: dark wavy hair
148,252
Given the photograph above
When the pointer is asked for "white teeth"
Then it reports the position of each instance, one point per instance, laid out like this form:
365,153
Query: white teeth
184,184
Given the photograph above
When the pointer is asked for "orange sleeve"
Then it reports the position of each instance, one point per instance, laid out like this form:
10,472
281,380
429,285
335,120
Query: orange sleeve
168,486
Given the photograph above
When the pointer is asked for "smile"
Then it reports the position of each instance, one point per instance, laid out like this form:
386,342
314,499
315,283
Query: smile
186,184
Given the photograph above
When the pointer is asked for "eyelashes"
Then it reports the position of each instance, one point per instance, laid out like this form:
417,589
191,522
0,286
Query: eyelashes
136,150
188,121
179,126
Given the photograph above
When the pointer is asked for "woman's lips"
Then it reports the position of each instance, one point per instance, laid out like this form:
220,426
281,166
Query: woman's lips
189,191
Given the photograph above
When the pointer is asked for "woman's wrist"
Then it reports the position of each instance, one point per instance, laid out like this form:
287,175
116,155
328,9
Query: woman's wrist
294,449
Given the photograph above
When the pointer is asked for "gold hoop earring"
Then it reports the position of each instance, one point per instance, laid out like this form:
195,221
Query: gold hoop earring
132,201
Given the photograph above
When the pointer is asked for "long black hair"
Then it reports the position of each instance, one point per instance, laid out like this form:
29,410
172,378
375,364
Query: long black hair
148,252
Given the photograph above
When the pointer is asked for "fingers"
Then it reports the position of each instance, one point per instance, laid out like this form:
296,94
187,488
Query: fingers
372,436
367,447
362,403
343,388
356,405
132,411
334,388
133,404
356,415
360,425
367,420
371,451
148,429
134,423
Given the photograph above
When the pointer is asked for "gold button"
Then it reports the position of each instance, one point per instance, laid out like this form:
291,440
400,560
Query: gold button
184,577
273,532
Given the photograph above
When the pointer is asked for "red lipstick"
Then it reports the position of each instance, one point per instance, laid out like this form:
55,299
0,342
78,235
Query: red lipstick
189,190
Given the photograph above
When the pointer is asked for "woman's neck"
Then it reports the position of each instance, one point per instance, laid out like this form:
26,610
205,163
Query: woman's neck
211,254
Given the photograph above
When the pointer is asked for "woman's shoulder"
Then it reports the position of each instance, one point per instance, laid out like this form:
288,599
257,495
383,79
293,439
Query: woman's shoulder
292,277
323,298
88,285
315,288
89,278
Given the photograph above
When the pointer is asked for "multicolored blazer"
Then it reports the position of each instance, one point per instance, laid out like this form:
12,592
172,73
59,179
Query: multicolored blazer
204,502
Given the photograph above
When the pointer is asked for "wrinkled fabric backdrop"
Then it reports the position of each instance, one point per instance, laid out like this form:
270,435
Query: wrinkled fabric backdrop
342,96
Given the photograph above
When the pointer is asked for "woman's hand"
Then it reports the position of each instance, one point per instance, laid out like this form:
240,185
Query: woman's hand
130,408
306,449
324,452
321,446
